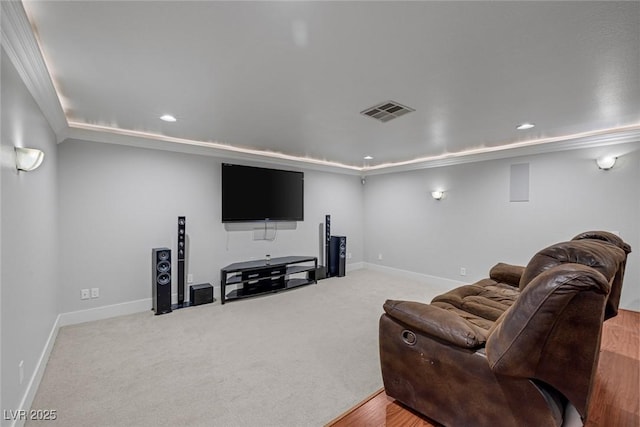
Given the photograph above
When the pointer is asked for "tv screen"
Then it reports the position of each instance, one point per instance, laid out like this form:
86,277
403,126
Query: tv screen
260,194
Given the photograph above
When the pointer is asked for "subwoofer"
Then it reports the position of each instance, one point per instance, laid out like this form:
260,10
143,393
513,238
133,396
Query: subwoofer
338,256
161,280
201,294
182,248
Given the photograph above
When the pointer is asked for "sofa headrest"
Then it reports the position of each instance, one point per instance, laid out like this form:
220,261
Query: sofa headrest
601,255
606,237
616,284
517,340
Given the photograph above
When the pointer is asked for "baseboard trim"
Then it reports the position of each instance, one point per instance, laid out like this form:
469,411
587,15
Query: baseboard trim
355,266
38,373
72,318
443,284
105,312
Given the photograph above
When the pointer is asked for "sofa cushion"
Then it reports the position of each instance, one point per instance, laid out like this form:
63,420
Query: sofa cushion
434,321
482,324
486,298
506,273
604,257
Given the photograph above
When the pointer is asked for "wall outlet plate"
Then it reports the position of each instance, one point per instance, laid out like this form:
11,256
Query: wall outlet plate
95,292
84,294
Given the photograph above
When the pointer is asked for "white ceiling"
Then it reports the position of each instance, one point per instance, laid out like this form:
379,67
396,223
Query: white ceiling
292,77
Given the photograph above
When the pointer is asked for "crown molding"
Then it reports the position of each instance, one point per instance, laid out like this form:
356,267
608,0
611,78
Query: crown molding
96,133
22,48
599,138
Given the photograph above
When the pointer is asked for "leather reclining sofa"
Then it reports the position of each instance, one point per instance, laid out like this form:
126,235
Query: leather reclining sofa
512,349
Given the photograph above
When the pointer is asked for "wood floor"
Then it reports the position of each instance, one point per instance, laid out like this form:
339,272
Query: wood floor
615,401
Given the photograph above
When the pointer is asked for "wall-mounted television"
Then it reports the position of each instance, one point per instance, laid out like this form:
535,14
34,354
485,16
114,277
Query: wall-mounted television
259,194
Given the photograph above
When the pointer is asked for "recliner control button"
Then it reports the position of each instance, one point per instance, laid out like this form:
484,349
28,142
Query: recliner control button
409,337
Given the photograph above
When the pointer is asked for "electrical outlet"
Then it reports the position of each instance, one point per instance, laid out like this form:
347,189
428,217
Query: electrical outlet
463,271
84,294
21,371
189,278
380,256
95,292
348,255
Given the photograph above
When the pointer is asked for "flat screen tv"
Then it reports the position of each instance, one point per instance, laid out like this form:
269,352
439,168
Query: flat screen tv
259,194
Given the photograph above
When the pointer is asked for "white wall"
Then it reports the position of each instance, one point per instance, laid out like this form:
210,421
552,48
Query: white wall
123,201
476,225
119,202
29,286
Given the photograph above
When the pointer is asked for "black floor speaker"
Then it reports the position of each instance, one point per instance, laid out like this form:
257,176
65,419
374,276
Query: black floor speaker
327,239
161,280
337,256
182,249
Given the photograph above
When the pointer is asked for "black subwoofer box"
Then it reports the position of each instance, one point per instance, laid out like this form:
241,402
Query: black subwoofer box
201,294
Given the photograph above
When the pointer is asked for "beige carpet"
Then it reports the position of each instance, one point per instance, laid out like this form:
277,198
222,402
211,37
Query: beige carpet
296,358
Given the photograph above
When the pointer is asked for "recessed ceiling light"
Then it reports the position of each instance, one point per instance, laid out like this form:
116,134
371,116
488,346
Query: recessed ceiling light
525,126
368,157
168,118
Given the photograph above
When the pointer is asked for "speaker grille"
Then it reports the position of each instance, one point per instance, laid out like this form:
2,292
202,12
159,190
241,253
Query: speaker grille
164,279
163,266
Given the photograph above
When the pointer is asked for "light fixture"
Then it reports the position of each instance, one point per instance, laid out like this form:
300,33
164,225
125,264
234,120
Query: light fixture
525,126
28,159
168,118
438,194
606,163
368,157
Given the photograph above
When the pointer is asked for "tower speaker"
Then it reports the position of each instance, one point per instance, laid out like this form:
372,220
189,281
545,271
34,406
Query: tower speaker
327,240
337,256
182,247
161,280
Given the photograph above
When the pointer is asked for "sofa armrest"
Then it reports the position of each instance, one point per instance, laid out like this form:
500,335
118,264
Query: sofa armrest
435,321
507,273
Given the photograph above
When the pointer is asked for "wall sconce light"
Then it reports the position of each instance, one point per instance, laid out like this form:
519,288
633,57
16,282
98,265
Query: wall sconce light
606,163
438,195
28,159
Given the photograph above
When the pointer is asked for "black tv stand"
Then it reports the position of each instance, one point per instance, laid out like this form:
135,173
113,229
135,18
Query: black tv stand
259,277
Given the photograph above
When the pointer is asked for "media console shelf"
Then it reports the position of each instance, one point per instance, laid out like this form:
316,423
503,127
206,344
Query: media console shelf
259,277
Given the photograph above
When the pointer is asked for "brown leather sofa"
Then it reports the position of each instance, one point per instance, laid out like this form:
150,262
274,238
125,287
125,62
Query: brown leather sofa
512,349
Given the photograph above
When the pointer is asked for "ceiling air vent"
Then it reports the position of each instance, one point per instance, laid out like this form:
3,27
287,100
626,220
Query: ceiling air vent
386,111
